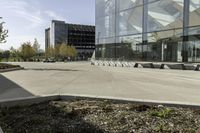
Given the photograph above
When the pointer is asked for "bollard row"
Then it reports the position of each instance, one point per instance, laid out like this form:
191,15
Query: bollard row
176,66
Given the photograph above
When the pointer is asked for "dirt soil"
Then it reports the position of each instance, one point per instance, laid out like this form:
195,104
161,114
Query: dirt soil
90,116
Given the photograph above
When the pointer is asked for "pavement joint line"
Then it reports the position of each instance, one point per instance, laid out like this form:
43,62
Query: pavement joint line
39,99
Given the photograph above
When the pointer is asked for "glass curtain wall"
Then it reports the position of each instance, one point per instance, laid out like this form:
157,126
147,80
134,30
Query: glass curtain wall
148,30
164,27
105,29
194,31
129,16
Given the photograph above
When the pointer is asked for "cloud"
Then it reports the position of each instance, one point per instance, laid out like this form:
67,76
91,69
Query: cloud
24,10
30,12
31,20
54,15
30,17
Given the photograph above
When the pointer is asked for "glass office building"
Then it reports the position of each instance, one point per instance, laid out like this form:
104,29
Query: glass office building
82,37
148,30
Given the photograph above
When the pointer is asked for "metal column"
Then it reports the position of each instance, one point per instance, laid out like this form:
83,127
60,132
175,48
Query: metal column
144,27
115,29
185,29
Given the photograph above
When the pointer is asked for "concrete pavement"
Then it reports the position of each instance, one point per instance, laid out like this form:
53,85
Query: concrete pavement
80,78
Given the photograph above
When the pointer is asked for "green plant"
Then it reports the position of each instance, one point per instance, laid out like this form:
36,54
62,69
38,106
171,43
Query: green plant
162,113
161,128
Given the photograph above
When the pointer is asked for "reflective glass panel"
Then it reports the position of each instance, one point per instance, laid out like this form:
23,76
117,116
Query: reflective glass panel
164,14
194,12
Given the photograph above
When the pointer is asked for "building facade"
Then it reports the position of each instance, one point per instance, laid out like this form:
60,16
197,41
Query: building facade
148,30
47,38
82,37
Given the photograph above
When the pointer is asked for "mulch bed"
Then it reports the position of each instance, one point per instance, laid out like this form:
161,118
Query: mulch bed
7,66
90,116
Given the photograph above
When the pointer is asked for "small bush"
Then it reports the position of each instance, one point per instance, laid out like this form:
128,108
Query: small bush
162,113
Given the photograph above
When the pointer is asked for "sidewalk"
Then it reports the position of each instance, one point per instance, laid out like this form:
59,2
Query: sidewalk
101,81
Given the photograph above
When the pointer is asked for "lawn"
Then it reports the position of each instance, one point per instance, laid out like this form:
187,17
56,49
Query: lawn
90,116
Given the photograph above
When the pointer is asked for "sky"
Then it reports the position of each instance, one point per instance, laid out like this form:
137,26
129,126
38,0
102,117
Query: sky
27,19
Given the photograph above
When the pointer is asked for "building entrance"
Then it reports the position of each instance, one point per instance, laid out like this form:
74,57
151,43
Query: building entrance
171,51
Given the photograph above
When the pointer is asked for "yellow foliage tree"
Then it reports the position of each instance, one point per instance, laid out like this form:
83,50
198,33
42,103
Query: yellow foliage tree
63,51
72,51
57,51
26,51
50,52
67,51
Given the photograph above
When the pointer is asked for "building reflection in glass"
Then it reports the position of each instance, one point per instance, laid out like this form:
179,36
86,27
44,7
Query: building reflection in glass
148,30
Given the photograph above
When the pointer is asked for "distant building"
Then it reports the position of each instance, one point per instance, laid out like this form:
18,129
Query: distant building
82,37
47,38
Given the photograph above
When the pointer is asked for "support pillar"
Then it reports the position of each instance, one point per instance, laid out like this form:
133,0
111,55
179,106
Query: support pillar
185,30
144,28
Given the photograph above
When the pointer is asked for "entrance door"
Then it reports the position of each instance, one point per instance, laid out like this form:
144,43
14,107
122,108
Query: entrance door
170,51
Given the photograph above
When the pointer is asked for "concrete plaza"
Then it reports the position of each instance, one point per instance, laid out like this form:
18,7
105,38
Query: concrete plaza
82,79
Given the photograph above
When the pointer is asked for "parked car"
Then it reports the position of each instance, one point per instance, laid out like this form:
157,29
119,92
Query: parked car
49,60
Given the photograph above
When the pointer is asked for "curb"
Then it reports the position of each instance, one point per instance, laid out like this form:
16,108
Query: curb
27,101
131,100
11,69
36,100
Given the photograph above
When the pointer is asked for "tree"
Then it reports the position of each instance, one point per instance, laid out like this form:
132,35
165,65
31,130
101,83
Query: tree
41,53
73,52
36,46
26,51
6,55
63,51
13,52
1,55
3,32
67,51
57,51
50,52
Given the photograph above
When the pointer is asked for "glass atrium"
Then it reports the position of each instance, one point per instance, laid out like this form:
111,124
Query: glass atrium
148,30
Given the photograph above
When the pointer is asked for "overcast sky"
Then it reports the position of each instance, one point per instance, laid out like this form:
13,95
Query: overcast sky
27,19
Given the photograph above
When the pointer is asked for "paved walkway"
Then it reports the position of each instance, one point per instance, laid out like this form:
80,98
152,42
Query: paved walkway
40,79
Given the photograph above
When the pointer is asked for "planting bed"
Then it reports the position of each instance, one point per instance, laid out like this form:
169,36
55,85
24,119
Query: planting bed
90,116
7,66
